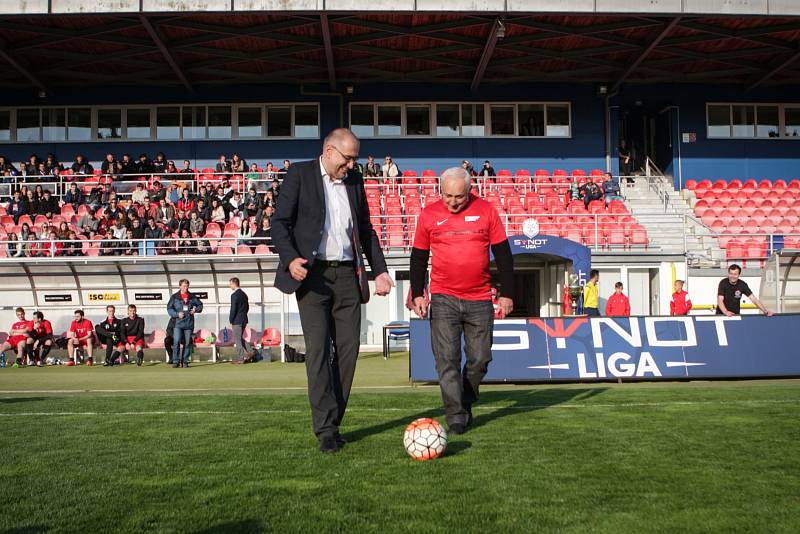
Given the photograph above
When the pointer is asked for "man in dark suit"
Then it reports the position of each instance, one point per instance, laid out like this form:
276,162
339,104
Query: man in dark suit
240,306
320,230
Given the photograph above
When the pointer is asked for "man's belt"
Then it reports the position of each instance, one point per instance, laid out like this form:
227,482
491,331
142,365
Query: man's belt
334,263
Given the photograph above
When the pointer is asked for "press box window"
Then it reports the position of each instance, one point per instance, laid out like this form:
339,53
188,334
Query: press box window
249,122
279,121
109,124
219,122
138,126
306,122
362,120
168,123
54,124
28,125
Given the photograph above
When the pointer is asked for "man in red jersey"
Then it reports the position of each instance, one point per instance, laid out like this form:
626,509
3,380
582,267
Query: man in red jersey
618,304
80,334
18,336
458,232
40,338
680,304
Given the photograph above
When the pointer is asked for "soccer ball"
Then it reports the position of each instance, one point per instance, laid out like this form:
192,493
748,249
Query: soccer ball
425,439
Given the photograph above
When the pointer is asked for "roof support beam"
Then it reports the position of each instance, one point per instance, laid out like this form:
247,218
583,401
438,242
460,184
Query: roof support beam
327,43
775,70
22,70
158,39
646,52
498,30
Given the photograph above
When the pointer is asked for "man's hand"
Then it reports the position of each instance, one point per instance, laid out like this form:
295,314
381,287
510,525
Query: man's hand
729,313
180,315
768,313
506,306
298,269
383,284
420,307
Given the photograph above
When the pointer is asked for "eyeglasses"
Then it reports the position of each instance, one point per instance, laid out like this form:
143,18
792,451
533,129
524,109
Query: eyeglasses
348,159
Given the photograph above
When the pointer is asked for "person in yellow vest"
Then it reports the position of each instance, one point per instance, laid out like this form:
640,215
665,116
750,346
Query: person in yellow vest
590,294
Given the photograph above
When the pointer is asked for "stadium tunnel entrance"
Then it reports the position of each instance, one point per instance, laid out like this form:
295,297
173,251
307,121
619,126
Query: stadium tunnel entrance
538,282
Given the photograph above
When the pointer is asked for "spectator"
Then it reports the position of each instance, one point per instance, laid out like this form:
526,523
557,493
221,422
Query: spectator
113,209
95,198
137,234
196,224
165,212
217,212
81,166
625,160
226,190
73,246
730,292
185,243
251,202
44,231
33,202
186,202
285,168
87,223
269,169
235,204
160,164
181,222
238,164
611,189
245,234
143,165
680,303
7,167
618,304
467,166
253,175
275,189
263,236
204,194
127,165
574,189
158,192
390,169
110,165
173,194
15,248
63,230
153,235
51,246
372,169
591,191
53,164
42,172
187,169
223,165
265,213
48,205
487,170
169,244
30,246
140,194
590,294
32,167
171,172
202,210
18,206
268,200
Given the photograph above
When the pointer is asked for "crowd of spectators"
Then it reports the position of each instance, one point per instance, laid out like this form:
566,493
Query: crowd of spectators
149,218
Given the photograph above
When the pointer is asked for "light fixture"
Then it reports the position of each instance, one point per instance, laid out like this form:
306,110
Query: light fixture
348,89
602,90
42,94
501,29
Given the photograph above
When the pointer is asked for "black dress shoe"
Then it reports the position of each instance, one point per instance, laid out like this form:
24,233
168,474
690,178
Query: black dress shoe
469,416
328,444
456,429
340,441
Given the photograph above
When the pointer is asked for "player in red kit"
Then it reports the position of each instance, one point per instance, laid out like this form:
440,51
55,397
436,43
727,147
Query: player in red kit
81,335
18,337
618,304
40,338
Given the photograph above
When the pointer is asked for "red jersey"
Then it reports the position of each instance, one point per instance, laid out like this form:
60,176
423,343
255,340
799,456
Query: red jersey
459,245
680,303
618,306
81,330
22,325
43,329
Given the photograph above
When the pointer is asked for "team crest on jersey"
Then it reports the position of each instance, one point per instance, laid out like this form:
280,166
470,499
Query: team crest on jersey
471,218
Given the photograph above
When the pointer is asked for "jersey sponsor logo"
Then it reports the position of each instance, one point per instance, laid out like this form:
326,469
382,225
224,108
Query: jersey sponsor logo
471,218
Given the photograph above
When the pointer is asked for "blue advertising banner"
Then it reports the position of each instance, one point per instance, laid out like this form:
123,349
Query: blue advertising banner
535,243
642,348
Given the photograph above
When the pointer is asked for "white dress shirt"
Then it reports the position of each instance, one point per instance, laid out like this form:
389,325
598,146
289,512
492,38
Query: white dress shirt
336,243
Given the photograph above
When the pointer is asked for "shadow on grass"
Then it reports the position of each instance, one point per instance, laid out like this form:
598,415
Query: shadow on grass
511,403
17,400
25,530
246,525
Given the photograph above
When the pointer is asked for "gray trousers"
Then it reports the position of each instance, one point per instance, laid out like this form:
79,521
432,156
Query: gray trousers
330,314
243,348
451,318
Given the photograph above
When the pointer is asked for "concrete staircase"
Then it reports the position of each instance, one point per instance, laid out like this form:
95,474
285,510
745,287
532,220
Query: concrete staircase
670,222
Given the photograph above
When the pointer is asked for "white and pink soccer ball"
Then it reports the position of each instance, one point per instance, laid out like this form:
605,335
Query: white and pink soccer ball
425,439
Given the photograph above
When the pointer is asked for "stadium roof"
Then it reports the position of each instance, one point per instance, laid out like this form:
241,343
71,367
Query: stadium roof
193,48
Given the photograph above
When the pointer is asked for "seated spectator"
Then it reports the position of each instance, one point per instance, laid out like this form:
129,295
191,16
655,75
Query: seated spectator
196,224
469,168
31,247
173,194
73,245
33,202
187,169
223,165
253,175
118,230
591,191
153,235
44,231
160,164
618,304
180,222
487,170
611,189
31,168
109,246
140,194
74,196
42,173
52,164
105,223
203,211
218,214
81,166
245,234
157,193
169,244
235,204
251,202
17,206
143,165
171,172
267,200
7,167
185,243
224,190
87,223
129,246
165,212
263,236
109,165
204,194
51,247
113,209
186,202
285,168
95,198
265,213
372,169
63,230
137,234
48,205
14,247
275,189
127,166
390,169
149,210
574,189
238,164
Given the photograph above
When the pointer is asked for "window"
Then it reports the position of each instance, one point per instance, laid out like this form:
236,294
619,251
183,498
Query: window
792,122
54,124
447,120
744,121
558,121
767,121
719,121
249,122
389,120
79,124
219,122
362,120
5,125
168,123
279,121
193,122
530,120
109,124
472,121
418,120
306,121
502,118
138,123
27,125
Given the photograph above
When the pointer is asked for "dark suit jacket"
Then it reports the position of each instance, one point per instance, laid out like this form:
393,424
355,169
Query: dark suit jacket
298,222
240,306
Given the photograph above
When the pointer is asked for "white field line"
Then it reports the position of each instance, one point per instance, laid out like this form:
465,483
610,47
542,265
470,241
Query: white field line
378,410
185,390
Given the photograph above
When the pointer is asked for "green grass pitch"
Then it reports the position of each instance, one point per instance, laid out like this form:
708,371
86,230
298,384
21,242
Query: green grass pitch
224,448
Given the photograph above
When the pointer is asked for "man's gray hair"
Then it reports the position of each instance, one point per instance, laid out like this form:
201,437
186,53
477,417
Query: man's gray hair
456,172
